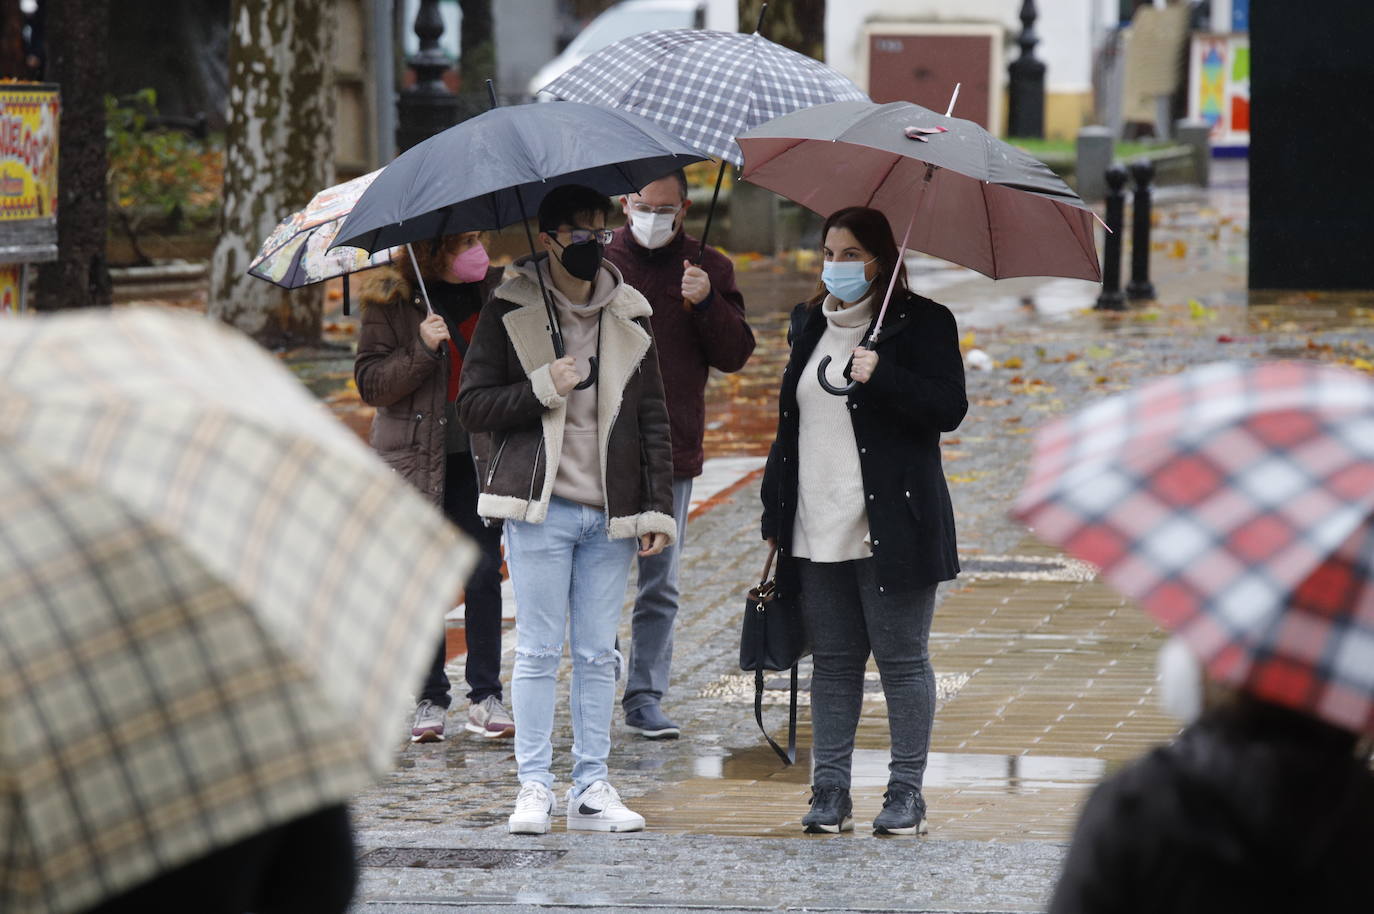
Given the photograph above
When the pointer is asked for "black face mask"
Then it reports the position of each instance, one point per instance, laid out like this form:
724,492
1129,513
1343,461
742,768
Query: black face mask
582,261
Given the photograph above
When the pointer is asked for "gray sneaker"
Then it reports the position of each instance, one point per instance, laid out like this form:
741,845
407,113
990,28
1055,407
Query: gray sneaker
904,812
489,719
651,723
428,726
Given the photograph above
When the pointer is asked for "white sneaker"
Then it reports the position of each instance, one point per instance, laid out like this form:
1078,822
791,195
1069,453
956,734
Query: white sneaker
534,808
599,809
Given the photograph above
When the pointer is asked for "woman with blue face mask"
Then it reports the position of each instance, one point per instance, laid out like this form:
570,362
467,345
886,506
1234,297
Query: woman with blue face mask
855,502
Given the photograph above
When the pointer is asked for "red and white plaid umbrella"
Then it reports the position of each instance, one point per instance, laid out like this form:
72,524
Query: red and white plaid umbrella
1234,503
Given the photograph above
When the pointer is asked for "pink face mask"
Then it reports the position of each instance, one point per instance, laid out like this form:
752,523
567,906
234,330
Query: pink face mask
470,265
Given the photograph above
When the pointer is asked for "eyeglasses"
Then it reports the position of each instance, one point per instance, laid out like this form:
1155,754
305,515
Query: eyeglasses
582,235
646,209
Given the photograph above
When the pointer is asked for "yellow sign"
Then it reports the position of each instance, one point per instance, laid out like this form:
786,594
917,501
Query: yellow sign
29,115
10,277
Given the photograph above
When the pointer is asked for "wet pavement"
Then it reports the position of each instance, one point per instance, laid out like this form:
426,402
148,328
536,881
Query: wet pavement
1045,676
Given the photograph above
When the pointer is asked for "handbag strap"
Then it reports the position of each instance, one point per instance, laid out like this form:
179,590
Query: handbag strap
789,757
768,565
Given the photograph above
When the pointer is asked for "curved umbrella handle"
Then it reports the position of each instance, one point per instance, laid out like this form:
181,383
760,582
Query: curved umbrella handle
590,379
840,390
825,382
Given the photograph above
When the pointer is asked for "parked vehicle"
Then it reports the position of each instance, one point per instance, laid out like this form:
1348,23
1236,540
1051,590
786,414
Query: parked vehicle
630,17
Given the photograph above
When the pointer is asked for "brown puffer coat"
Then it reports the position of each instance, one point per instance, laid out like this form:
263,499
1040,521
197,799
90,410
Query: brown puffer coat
406,382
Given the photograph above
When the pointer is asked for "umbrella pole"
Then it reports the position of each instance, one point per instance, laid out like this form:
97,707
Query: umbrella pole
424,293
952,99
346,309
554,330
711,210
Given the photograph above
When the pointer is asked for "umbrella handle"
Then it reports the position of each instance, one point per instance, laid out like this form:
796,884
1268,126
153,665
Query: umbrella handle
838,390
590,379
825,382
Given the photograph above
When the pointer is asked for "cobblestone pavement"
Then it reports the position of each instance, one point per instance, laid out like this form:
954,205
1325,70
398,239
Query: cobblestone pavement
1045,675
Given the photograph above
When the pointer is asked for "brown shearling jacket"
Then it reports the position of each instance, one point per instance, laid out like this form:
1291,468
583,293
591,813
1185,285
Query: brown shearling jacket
515,416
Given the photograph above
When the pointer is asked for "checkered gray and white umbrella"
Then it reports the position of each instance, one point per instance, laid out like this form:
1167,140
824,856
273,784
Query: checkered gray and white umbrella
215,601
702,86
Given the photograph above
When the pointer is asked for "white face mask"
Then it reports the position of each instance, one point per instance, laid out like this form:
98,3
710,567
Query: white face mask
652,230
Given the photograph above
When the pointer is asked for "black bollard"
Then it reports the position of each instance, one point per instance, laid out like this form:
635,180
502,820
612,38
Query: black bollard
1140,287
1026,81
1112,298
427,107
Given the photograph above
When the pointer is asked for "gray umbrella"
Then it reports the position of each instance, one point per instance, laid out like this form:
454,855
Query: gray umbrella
494,169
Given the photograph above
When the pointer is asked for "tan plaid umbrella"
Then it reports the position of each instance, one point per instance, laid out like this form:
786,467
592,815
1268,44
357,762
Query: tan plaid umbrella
211,596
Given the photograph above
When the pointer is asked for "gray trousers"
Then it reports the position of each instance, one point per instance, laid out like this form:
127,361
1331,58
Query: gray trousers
651,626
848,619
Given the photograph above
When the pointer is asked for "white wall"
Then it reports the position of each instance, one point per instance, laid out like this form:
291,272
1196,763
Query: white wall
1069,31
722,15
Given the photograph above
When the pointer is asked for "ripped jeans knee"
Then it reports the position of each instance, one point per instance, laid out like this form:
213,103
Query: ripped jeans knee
539,651
605,658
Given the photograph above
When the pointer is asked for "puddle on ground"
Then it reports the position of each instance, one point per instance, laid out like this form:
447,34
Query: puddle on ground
1007,774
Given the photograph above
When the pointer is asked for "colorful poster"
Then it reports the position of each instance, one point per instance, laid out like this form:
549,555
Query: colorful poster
9,289
1219,86
28,151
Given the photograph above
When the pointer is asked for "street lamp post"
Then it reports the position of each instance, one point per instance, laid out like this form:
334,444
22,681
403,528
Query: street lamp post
1027,85
427,107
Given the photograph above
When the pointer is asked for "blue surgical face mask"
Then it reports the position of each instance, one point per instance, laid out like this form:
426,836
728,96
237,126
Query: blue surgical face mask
845,279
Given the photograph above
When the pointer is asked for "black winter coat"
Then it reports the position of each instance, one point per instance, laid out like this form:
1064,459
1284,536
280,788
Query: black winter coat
1253,809
916,392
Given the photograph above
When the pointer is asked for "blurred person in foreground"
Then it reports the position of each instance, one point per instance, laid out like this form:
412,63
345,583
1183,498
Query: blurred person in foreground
698,324
1253,808
408,366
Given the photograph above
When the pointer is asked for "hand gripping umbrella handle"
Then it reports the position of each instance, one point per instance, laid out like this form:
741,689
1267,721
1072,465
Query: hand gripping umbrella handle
840,390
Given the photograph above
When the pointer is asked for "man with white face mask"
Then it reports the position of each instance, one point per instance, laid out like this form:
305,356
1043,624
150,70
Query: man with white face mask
698,324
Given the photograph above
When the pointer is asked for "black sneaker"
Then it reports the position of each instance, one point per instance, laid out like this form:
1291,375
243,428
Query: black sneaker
651,723
831,811
904,812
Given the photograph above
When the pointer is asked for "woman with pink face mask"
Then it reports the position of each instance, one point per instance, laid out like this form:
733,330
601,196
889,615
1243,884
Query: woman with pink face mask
408,367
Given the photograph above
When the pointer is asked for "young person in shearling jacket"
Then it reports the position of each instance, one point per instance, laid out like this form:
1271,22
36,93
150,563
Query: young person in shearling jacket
582,480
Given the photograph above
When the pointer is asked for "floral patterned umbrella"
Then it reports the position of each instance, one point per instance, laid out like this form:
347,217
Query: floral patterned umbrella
297,253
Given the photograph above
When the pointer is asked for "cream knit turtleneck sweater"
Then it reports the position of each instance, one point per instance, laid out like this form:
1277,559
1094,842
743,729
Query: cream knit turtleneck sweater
832,518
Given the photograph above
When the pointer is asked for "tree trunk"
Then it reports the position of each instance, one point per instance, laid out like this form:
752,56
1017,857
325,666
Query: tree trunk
279,153
795,24
79,278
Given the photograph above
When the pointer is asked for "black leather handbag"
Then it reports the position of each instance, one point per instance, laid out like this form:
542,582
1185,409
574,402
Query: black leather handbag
773,638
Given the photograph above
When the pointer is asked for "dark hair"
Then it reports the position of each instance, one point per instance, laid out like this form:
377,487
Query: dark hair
565,204
872,230
681,177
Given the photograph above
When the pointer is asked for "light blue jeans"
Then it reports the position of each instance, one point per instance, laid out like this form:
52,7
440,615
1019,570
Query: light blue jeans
568,577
